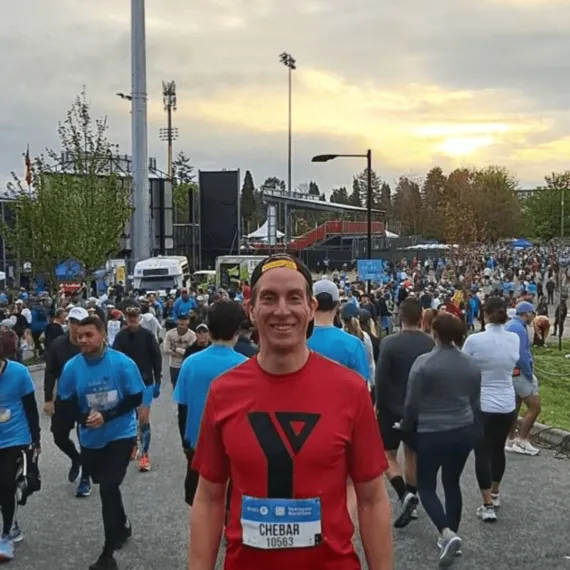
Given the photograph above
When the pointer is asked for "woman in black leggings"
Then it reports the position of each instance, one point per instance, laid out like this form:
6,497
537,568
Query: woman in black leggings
19,428
442,403
496,352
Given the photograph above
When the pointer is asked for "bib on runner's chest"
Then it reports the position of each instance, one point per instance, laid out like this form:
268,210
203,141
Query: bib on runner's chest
274,524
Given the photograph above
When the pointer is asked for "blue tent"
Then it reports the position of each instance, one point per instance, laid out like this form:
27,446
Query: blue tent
69,270
521,243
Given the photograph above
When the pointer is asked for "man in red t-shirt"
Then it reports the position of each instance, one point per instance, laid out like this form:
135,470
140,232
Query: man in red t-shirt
288,427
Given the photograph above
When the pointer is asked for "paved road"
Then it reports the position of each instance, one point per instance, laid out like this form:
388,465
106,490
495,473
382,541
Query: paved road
66,533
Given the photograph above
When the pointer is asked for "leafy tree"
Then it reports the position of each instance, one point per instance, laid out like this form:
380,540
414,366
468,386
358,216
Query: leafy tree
76,206
544,208
248,203
433,201
457,215
340,196
355,198
408,205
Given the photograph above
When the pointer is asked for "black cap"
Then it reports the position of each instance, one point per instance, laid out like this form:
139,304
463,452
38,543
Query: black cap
289,262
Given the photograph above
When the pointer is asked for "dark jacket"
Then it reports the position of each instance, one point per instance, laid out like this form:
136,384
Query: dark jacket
245,346
60,351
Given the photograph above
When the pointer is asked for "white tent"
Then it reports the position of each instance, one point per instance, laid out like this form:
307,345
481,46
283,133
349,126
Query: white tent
391,235
263,232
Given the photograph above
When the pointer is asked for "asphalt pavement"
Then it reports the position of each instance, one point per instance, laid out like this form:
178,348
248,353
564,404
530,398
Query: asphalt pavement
66,533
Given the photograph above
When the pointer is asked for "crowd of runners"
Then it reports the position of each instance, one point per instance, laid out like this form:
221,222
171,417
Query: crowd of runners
294,394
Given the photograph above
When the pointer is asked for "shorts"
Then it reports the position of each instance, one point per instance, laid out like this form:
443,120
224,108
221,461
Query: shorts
10,461
148,394
524,387
191,481
390,436
108,465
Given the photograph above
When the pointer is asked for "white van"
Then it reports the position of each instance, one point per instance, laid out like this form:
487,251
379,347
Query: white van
161,274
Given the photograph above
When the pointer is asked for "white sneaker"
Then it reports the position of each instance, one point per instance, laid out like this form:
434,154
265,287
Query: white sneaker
415,515
440,546
496,500
449,551
487,513
524,447
509,446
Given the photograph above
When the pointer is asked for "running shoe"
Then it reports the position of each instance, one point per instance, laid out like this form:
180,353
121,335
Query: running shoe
409,504
125,535
496,500
509,445
440,546
449,550
6,549
415,515
74,471
104,562
487,513
524,447
15,533
83,489
144,463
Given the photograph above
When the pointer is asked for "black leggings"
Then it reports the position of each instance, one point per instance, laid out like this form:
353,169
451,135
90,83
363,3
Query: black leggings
490,458
10,461
61,430
448,451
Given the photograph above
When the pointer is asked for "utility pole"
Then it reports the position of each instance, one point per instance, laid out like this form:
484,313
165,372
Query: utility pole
169,134
288,61
141,233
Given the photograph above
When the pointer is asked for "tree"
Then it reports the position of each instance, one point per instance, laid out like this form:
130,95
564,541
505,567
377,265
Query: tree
433,201
248,204
457,216
340,195
76,206
385,199
355,198
183,187
407,206
314,189
544,210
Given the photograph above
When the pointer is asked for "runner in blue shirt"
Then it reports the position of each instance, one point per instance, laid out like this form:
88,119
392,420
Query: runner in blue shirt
19,429
330,341
197,373
101,389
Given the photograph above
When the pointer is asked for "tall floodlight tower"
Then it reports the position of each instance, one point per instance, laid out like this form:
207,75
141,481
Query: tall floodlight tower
141,233
169,134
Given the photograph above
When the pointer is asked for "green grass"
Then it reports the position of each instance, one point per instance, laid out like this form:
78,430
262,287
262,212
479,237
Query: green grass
553,372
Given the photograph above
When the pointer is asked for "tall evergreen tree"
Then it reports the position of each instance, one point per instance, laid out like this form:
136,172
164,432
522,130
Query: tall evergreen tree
248,204
355,198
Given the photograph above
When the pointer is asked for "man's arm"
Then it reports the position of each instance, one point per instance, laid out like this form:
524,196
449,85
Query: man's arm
374,523
207,522
50,374
156,359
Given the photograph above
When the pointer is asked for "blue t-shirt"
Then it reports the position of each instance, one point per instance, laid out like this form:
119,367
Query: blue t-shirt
15,383
196,374
341,347
100,385
182,307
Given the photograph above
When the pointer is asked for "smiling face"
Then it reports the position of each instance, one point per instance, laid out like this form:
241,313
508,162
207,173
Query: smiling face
281,309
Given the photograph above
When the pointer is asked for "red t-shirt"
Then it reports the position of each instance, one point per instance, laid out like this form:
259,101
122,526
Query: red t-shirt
246,292
317,427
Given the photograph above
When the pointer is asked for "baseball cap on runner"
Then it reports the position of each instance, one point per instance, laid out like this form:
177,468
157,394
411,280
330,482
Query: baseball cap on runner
288,262
524,307
77,314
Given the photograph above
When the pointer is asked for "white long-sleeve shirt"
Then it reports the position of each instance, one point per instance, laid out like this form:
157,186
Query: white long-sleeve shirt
496,352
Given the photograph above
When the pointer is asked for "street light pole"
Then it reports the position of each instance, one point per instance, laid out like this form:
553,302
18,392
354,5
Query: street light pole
368,157
288,61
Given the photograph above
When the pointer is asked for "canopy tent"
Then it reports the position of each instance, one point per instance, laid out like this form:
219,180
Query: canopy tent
390,235
263,232
521,243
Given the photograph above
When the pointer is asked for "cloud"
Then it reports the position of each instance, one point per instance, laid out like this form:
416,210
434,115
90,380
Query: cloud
447,82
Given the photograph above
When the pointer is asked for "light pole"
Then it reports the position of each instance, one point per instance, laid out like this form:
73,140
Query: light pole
288,61
169,134
368,157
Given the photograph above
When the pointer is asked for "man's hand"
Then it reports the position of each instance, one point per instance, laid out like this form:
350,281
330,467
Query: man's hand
156,391
180,351
94,420
48,409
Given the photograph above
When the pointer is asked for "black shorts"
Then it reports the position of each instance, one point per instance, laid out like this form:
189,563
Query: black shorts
390,436
10,462
191,481
108,465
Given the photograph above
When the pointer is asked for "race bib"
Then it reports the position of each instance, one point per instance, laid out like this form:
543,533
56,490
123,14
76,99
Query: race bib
102,401
5,415
274,524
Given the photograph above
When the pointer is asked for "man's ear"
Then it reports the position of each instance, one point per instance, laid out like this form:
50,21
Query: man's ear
248,307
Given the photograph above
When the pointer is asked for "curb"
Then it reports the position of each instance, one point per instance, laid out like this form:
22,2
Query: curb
37,367
549,435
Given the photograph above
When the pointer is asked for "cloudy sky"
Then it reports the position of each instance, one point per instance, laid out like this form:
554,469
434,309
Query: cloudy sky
444,82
